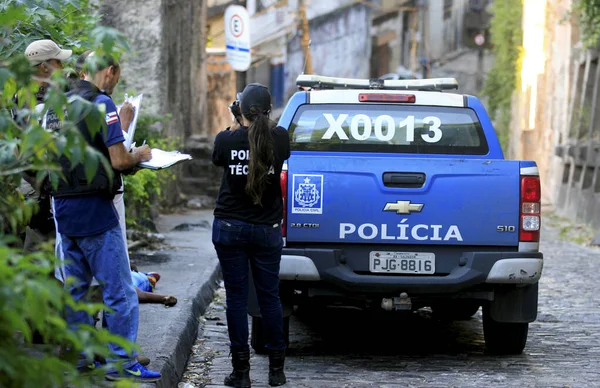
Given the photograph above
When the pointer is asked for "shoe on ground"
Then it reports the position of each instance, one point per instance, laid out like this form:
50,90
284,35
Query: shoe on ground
136,372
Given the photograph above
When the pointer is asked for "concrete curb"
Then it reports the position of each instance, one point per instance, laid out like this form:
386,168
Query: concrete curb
177,346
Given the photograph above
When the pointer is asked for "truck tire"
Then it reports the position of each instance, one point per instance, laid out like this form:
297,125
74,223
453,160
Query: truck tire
504,337
456,311
257,337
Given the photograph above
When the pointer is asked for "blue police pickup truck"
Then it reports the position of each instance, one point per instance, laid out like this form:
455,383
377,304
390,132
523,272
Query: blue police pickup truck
398,197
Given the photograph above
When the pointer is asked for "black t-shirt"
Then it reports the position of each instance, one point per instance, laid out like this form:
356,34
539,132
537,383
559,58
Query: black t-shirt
231,151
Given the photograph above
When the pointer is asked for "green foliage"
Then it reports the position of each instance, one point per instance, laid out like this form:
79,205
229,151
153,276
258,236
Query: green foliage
589,12
143,190
30,299
502,80
67,22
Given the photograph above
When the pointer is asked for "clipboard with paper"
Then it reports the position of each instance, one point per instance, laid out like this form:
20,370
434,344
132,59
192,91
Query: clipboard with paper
164,159
160,159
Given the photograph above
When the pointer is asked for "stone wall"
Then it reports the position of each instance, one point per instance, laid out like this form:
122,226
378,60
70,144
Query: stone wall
168,65
167,62
143,70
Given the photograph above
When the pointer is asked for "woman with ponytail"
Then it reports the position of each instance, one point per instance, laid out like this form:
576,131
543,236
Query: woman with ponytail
247,229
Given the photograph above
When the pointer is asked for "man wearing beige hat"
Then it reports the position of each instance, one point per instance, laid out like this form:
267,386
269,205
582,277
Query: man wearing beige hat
47,58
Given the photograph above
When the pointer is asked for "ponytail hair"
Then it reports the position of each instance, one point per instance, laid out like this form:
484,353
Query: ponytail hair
261,153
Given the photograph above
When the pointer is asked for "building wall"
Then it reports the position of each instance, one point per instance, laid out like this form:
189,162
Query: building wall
554,117
445,20
221,92
341,46
386,33
548,109
168,65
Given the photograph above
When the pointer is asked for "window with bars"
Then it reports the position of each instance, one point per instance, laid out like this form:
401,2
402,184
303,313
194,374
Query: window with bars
448,9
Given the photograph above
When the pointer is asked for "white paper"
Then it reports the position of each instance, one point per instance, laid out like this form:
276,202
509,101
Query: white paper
137,103
164,159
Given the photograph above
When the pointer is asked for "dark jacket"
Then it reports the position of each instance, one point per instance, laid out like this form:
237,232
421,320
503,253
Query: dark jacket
76,183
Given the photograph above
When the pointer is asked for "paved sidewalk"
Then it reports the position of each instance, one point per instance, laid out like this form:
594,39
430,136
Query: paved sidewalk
189,270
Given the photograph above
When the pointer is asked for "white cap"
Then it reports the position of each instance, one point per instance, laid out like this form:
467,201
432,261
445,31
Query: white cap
45,50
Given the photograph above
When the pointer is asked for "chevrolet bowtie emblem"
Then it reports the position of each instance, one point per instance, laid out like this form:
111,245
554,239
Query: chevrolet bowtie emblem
403,207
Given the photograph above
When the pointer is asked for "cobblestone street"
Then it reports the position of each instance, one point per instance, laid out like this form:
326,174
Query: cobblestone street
343,348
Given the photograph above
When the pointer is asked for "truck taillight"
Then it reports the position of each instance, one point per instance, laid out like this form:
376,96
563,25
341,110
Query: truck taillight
284,184
530,212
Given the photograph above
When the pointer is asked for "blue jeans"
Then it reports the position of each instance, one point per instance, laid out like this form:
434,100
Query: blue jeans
103,256
241,246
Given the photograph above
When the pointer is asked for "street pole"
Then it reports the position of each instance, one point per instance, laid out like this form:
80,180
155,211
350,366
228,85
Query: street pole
305,38
241,77
480,69
413,47
425,37
240,80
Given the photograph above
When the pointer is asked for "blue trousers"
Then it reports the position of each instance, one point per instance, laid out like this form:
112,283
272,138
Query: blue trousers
103,256
241,246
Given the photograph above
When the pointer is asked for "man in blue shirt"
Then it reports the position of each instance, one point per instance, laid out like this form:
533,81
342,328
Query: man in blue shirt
88,223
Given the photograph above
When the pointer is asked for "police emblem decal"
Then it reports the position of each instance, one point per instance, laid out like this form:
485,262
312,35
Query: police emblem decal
308,194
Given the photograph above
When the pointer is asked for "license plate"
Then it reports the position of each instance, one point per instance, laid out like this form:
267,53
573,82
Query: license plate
422,263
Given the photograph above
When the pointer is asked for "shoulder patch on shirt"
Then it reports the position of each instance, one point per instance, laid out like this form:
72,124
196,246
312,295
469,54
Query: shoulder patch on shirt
112,118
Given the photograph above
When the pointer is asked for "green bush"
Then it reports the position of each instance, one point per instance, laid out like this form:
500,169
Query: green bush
589,12
503,79
31,301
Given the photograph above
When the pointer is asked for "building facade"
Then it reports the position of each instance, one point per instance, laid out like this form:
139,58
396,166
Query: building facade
554,119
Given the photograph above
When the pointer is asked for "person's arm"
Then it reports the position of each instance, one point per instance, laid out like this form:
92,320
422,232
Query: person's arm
120,158
218,157
149,297
284,139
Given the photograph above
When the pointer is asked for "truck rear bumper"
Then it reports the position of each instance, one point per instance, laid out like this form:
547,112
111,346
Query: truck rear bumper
300,268
473,269
516,271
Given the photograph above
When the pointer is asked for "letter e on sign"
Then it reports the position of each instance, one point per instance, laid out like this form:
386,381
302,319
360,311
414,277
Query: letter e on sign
237,37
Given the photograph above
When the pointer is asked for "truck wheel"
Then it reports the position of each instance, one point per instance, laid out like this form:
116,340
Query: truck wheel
257,337
504,337
456,311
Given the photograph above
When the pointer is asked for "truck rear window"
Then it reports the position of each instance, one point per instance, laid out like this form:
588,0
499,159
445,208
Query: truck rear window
387,128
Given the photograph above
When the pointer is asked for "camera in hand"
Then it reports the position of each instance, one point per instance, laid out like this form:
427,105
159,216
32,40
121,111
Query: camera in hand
235,109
